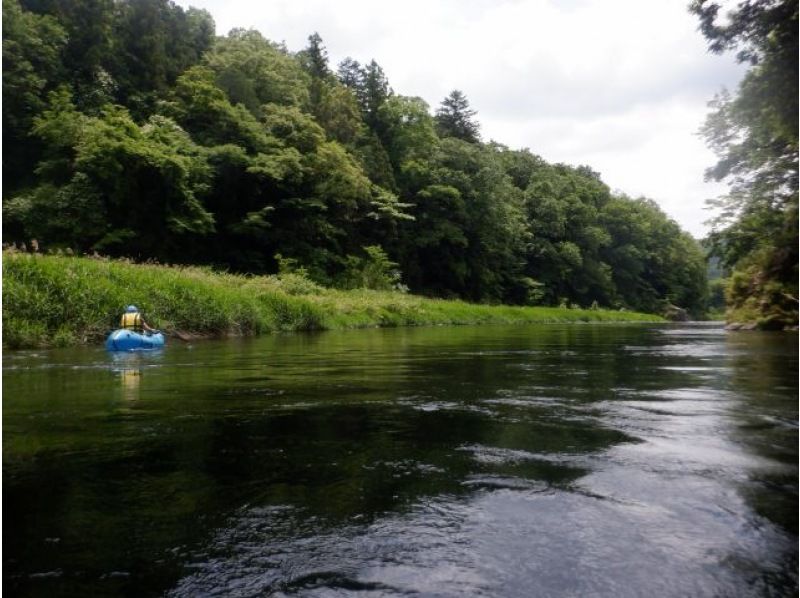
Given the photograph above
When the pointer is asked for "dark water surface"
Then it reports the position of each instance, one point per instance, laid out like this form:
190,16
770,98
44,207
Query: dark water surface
583,460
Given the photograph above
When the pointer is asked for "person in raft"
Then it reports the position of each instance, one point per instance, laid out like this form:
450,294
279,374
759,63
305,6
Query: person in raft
132,320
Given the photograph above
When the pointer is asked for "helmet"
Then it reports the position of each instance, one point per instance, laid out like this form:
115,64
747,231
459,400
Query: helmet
131,309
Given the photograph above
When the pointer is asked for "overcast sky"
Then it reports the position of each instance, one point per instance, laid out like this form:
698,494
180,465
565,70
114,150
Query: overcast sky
619,85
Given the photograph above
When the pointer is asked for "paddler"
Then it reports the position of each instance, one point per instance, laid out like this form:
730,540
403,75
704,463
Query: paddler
132,320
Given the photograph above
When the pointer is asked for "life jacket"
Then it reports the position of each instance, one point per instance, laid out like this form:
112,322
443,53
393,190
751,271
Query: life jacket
131,321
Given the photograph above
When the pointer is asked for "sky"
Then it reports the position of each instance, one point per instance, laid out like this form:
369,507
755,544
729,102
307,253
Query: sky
619,85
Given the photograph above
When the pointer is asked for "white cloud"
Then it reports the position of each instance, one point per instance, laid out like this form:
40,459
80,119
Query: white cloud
620,85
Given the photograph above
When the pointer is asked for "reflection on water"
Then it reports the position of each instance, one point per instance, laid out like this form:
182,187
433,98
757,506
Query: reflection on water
129,367
541,460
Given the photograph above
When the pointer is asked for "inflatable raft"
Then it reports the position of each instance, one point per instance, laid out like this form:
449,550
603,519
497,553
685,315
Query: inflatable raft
127,340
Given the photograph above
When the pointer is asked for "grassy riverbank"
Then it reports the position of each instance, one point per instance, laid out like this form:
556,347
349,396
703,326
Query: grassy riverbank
62,301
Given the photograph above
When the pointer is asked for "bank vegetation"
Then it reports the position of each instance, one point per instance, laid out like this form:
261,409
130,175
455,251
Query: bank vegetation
62,301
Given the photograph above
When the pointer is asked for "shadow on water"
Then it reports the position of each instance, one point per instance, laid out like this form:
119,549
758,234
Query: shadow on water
614,460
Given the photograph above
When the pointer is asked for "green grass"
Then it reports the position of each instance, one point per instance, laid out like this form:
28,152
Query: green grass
62,301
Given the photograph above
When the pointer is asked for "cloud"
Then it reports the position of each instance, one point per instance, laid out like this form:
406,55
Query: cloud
620,85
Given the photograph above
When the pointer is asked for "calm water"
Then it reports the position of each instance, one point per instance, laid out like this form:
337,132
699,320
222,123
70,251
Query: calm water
528,461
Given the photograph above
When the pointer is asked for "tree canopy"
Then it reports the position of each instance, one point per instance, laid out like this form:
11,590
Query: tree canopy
137,133
454,118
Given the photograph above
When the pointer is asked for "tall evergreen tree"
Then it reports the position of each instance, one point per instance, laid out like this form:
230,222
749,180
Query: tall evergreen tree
351,74
315,61
315,57
454,118
376,91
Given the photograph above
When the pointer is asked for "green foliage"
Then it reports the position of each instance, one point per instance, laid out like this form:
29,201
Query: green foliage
374,92
298,284
373,271
90,66
315,58
534,290
126,188
137,133
50,300
563,206
126,51
288,265
716,295
374,160
454,118
337,111
470,228
203,109
754,133
43,295
409,130
254,71
753,297
32,46
162,37
652,261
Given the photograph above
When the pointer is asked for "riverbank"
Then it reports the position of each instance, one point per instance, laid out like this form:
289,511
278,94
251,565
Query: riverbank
63,301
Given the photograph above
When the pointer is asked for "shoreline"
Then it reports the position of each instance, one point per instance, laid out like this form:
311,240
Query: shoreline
61,301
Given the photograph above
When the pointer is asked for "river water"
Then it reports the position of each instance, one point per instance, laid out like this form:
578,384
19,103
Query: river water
582,460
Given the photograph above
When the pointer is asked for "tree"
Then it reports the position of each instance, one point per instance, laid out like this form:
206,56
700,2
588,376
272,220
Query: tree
374,271
249,168
152,139
203,109
112,185
253,71
333,104
562,205
338,112
155,41
454,118
315,58
350,74
32,63
754,133
469,235
410,132
126,51
652,261
375,92
89,54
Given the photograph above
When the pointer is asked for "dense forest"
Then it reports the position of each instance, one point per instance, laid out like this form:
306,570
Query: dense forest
754,131
130,129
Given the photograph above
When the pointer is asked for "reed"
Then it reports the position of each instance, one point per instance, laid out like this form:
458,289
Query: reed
53,300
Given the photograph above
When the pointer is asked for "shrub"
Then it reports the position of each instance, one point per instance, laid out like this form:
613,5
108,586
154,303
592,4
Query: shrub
375,271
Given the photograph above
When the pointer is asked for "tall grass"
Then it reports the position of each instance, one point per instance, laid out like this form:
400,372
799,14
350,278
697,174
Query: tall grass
56,300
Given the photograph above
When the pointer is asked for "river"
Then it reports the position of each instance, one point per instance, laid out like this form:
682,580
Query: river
549,460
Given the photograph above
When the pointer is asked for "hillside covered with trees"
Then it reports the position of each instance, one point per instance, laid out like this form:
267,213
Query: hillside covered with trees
129,129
